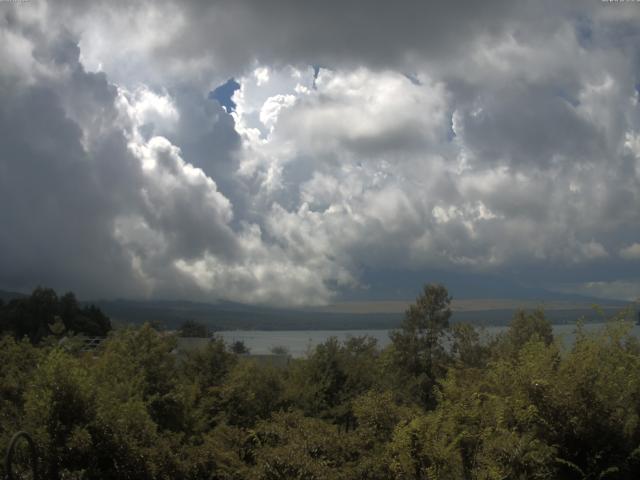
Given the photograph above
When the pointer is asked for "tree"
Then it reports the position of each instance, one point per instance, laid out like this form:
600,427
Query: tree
59,405
210,365
69,308
145,355
239,348
293,446
467,348
251,392
418,348
36,312
317,384
92,322
18,361
525,327
325,384
279,350
191,328
32,316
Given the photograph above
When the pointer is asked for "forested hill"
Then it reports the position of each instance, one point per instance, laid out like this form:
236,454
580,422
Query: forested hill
232,316
6,296
42,313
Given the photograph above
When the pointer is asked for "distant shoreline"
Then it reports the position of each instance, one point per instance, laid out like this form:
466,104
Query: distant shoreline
223,320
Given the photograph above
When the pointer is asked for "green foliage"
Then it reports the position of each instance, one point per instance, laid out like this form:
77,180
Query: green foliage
34,316
466,346
58,407
598,398
292,446
191,328
524,327
426,448
251,392
18,361
325,384
377,415
239,348
441,402
279,350
418,350
209,366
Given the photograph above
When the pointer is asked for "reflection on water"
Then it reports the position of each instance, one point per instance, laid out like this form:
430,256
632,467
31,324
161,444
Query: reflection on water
299,342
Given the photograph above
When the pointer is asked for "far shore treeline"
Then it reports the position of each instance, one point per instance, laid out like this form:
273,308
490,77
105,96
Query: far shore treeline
43,312
437,403
219,316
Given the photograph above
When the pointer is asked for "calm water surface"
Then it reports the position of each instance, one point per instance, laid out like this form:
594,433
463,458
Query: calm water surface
299,342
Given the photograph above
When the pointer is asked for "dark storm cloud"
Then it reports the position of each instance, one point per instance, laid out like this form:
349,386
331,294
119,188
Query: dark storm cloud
489,137
223,39
524,124
68,176
332,32
58,201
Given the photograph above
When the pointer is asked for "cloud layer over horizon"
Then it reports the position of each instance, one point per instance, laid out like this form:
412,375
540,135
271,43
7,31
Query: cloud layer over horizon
481,140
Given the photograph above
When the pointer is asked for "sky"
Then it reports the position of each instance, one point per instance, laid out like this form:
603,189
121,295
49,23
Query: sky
297,153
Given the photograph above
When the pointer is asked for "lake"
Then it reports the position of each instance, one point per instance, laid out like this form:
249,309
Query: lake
299,342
